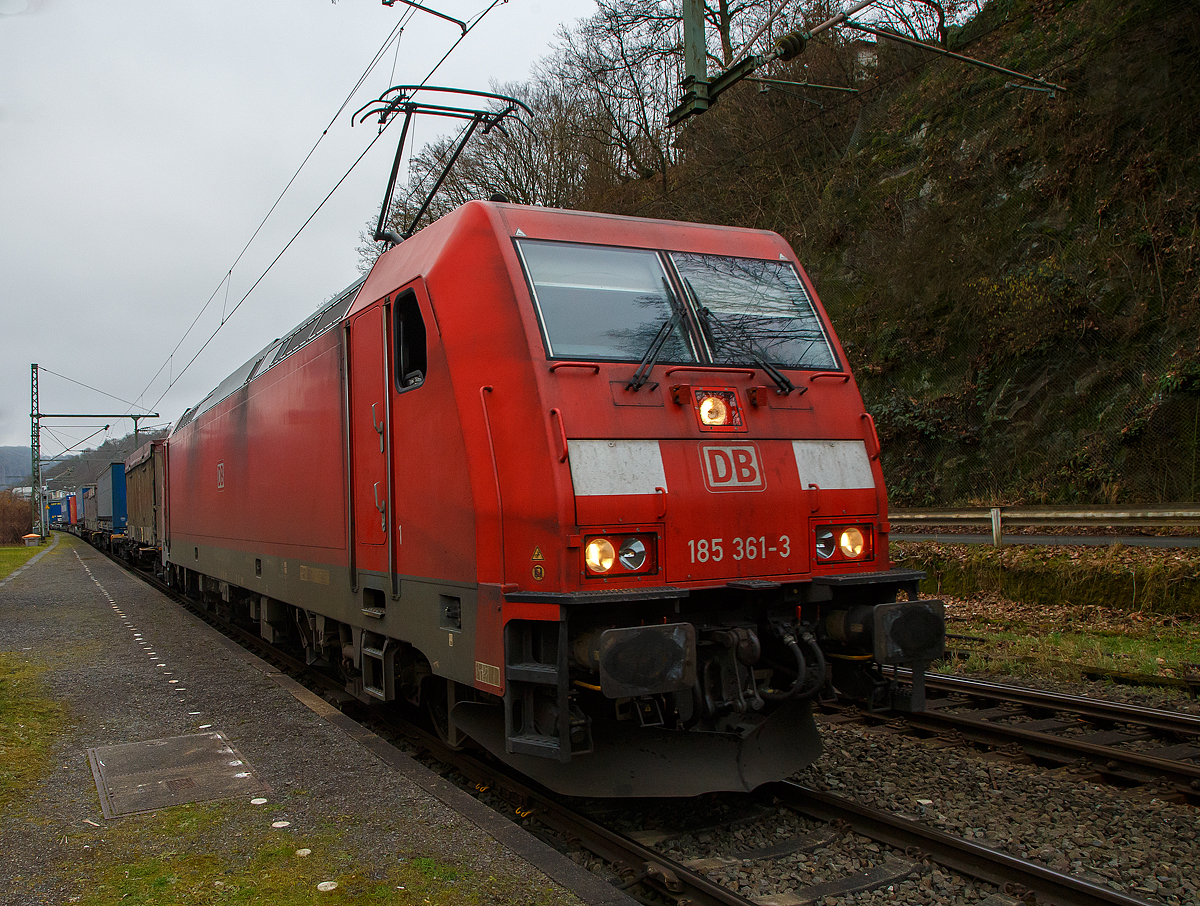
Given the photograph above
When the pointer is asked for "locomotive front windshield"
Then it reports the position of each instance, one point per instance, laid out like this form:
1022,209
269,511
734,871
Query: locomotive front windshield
597,302
749,308
600,302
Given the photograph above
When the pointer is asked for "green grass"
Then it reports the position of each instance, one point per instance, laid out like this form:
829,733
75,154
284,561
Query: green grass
1070,655
186,856
13,558
1113,578
29,723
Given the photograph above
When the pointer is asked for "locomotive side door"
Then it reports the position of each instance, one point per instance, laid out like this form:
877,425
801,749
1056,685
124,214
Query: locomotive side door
369,439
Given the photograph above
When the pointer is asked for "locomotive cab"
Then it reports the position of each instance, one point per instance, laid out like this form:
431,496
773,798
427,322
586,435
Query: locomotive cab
716,552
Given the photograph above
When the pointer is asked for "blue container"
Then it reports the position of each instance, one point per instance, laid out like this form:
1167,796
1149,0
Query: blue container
112,506
120,498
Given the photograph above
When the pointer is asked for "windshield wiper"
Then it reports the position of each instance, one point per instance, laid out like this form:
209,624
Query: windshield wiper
650,359
781,380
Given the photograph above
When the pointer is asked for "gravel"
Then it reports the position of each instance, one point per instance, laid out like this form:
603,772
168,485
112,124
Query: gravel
1131,840
1128,840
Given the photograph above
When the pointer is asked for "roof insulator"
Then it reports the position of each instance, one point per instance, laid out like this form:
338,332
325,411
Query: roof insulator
791,45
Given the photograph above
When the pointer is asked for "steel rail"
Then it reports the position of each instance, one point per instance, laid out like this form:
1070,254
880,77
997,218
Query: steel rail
1099,709
646,865
995,867
1064,749
1107,761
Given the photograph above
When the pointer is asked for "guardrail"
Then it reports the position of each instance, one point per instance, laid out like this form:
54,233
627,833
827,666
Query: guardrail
997,516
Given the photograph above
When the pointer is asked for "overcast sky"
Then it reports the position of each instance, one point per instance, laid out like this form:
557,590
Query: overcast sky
143,141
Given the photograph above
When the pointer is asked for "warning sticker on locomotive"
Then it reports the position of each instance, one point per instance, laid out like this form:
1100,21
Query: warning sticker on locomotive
487,674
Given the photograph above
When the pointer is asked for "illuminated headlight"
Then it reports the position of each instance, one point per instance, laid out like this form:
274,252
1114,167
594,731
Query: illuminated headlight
842,542
633,554
825,543
617,555
714,411
718,410
599,555
852,543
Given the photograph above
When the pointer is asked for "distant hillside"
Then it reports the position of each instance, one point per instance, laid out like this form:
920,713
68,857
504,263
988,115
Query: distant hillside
1013,271
85,467
74,472
14,465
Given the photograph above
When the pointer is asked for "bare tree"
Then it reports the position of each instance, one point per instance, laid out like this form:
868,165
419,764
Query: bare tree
925,20
601,100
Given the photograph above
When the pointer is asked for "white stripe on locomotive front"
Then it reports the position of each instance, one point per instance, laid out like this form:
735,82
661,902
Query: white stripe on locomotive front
834,465
600,468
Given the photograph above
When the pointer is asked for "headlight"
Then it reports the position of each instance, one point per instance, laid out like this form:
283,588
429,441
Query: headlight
716,409
842,543
619,555
825,545
852,543
633,554
599,555
713,411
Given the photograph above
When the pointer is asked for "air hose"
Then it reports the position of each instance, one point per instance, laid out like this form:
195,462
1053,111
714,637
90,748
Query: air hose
799,691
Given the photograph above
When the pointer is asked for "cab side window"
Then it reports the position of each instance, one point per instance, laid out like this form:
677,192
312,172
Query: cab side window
411,358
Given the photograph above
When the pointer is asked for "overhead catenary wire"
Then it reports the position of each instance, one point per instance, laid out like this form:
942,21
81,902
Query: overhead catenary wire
90,387
67,447
705,171
393,36
268,268
471,24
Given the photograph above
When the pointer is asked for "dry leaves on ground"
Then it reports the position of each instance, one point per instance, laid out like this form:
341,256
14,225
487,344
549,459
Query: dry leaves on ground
1002,613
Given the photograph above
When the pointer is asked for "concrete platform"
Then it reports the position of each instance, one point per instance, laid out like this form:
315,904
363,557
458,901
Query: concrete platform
313,798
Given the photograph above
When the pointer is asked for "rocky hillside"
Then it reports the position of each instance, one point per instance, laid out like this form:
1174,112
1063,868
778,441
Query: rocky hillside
1012,268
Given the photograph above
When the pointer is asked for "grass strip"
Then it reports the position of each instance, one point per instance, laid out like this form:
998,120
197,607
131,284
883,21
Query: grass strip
1118,578
1069,642
201,855
29,722
13,558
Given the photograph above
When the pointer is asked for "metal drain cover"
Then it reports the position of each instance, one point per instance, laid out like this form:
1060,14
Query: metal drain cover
144,776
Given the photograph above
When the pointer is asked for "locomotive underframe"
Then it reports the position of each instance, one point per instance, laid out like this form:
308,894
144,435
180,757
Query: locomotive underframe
621,686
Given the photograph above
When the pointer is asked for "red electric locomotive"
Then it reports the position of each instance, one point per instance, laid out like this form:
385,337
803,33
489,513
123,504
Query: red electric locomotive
599,492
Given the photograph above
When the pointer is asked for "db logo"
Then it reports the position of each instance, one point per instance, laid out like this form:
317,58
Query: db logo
732,467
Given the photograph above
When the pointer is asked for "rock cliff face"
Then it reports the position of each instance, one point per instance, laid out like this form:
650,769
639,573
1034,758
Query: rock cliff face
1012,267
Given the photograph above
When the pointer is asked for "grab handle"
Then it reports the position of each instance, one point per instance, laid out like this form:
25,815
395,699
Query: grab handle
564,450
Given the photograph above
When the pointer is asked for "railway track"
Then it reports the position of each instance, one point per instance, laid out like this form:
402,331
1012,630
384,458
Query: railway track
643,858
1111,742
646,861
